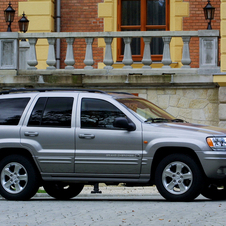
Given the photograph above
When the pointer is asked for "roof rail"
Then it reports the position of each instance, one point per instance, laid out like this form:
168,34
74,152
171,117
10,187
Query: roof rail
114,92
15,90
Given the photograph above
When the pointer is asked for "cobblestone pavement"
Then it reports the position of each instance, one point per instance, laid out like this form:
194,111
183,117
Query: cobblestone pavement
116,206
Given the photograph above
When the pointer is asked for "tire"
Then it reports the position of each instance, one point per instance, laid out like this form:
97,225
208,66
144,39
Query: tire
19,178
179,178
62,191
215,191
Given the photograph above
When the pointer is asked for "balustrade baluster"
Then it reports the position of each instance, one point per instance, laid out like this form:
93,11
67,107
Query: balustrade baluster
127,60
166,59
51,60
108,60
186,60
32,59
70,61
89,53
147,53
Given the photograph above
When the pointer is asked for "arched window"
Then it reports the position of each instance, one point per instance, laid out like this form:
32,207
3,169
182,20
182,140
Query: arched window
142,15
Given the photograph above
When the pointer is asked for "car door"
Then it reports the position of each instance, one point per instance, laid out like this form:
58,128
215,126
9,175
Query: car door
103,150
48,133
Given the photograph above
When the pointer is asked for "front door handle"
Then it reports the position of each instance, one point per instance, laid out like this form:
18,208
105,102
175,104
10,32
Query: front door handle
86,136
31,134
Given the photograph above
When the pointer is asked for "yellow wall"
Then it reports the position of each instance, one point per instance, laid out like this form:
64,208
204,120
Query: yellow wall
178,10
221,79
40,15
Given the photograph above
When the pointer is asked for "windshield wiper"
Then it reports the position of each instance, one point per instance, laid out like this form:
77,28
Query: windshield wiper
156,120
177,120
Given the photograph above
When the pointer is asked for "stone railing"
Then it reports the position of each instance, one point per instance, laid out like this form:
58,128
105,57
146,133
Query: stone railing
208,50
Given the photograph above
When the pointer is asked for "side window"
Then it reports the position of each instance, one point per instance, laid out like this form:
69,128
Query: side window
98,114
11,110
52,112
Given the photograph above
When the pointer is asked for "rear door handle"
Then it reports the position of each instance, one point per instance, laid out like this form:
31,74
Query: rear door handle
31,134
86,136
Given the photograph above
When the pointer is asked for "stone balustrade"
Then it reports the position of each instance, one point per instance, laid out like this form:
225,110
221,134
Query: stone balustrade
208,53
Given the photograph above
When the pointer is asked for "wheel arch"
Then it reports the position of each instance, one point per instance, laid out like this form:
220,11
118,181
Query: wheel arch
4,152
165,151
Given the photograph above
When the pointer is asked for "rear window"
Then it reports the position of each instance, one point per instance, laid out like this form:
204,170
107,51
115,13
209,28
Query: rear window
11,110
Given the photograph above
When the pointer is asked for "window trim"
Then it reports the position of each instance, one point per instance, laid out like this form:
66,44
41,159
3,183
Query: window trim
142,27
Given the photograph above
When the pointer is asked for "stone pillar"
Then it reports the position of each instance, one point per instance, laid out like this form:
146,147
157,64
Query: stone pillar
127,60
23,55
147,53
9,50
108,61
51,60
32,59
89,53
166,59
70,61
208,51
186,60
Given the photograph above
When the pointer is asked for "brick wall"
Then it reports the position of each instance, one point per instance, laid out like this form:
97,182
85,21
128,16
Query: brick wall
196,21
81,16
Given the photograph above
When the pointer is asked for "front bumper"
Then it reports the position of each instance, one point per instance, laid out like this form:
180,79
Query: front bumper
213,163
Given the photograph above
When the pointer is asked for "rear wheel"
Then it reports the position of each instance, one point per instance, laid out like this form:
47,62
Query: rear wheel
178,178
19,178
215,191
62,191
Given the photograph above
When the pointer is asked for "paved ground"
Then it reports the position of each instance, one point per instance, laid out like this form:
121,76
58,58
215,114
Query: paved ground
114,207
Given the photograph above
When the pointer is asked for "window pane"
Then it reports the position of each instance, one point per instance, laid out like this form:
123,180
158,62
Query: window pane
58,112
11,110
36,115
130,12
52,112
98,114
156,12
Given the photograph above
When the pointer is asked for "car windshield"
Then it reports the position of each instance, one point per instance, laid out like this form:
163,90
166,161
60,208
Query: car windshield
147,111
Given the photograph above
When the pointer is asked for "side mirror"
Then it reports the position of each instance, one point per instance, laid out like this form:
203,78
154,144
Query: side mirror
124,123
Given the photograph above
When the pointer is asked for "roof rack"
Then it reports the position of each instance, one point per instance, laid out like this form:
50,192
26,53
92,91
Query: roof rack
15,90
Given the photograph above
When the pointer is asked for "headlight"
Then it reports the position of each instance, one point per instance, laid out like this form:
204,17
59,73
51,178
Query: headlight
217,143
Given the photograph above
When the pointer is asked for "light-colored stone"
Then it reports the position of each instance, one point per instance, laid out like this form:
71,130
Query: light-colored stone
198,104
211,112
163,101
173,111
212,95
183,103
222,112
186,114
198,114
190,94
174,100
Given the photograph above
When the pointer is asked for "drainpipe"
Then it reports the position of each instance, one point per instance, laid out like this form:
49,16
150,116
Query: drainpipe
58,16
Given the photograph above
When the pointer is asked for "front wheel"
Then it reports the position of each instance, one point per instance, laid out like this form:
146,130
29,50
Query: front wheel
178,178
19,178
215,191
62,191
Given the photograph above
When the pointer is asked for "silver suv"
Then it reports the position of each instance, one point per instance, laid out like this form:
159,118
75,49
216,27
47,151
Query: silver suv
65,139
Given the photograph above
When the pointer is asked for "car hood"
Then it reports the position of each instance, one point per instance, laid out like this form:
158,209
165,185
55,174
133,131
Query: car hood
185,128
